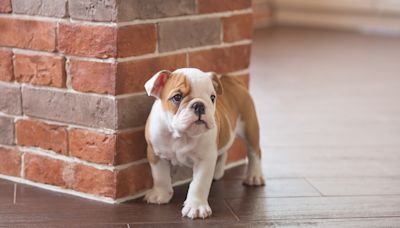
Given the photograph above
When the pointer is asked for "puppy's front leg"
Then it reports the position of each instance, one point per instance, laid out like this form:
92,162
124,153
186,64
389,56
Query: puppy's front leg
196,203
162,187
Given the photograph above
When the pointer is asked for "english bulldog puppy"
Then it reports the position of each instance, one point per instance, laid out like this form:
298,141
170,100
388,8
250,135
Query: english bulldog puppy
193,123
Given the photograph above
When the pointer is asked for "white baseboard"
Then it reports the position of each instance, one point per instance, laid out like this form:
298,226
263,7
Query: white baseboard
95,197
57,189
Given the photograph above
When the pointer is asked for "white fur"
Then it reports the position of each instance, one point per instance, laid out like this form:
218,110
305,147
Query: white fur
148,86
162,187
240,129
220,166
254,173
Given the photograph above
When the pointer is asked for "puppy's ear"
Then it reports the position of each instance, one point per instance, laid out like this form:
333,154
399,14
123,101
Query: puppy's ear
155,84
217,83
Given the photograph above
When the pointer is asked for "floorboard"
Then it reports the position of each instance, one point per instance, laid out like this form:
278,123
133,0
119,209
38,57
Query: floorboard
328,107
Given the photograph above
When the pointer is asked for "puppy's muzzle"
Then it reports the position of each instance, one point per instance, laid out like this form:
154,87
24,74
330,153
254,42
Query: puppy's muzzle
199,108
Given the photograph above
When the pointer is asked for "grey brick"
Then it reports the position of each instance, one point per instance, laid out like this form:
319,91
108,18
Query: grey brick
10,99
188,33
148,9
83,109
51,8
133,111
6,130
93,10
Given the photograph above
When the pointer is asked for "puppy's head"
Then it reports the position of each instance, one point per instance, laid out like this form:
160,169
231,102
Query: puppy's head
188,97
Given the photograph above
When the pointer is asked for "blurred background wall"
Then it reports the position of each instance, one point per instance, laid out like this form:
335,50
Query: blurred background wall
376,16
262,13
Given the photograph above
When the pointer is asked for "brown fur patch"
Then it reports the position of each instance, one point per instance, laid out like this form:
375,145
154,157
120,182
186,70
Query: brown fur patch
233,103
226,113
217,84
151,156
177,83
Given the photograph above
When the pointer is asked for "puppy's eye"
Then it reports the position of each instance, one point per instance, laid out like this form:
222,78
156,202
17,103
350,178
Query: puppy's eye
177,98
212,98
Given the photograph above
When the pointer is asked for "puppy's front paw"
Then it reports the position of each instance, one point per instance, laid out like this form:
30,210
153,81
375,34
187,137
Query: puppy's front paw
196,209
254,180
158,196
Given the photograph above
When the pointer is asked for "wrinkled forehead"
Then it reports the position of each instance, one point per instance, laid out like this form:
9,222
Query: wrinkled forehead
200,82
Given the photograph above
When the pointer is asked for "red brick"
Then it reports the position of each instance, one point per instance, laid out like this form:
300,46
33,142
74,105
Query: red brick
131,76
5,6
94,181
238,27
44,170
38,134
37,35
237,152
10,162
210,6
92,146
136,40
133,180
6,65
85,40
131,146
221,60
40,70
97,77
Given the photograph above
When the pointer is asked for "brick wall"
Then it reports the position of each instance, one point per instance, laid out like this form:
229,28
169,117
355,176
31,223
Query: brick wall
72,103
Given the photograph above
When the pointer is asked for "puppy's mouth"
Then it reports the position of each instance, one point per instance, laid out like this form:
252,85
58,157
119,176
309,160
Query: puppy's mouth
201,122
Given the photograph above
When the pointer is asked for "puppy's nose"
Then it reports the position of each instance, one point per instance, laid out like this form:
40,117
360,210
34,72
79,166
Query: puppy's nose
199,108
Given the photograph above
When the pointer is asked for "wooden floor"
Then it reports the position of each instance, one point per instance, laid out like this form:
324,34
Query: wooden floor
329,107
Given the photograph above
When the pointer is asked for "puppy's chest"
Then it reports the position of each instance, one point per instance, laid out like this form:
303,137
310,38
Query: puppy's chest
179,151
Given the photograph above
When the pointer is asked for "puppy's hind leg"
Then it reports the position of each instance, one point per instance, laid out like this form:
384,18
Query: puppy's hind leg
251,134
220,167
254,175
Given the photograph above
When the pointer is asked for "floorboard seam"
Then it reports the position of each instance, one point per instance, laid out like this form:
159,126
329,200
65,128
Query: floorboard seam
231,210
327,218
315,188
